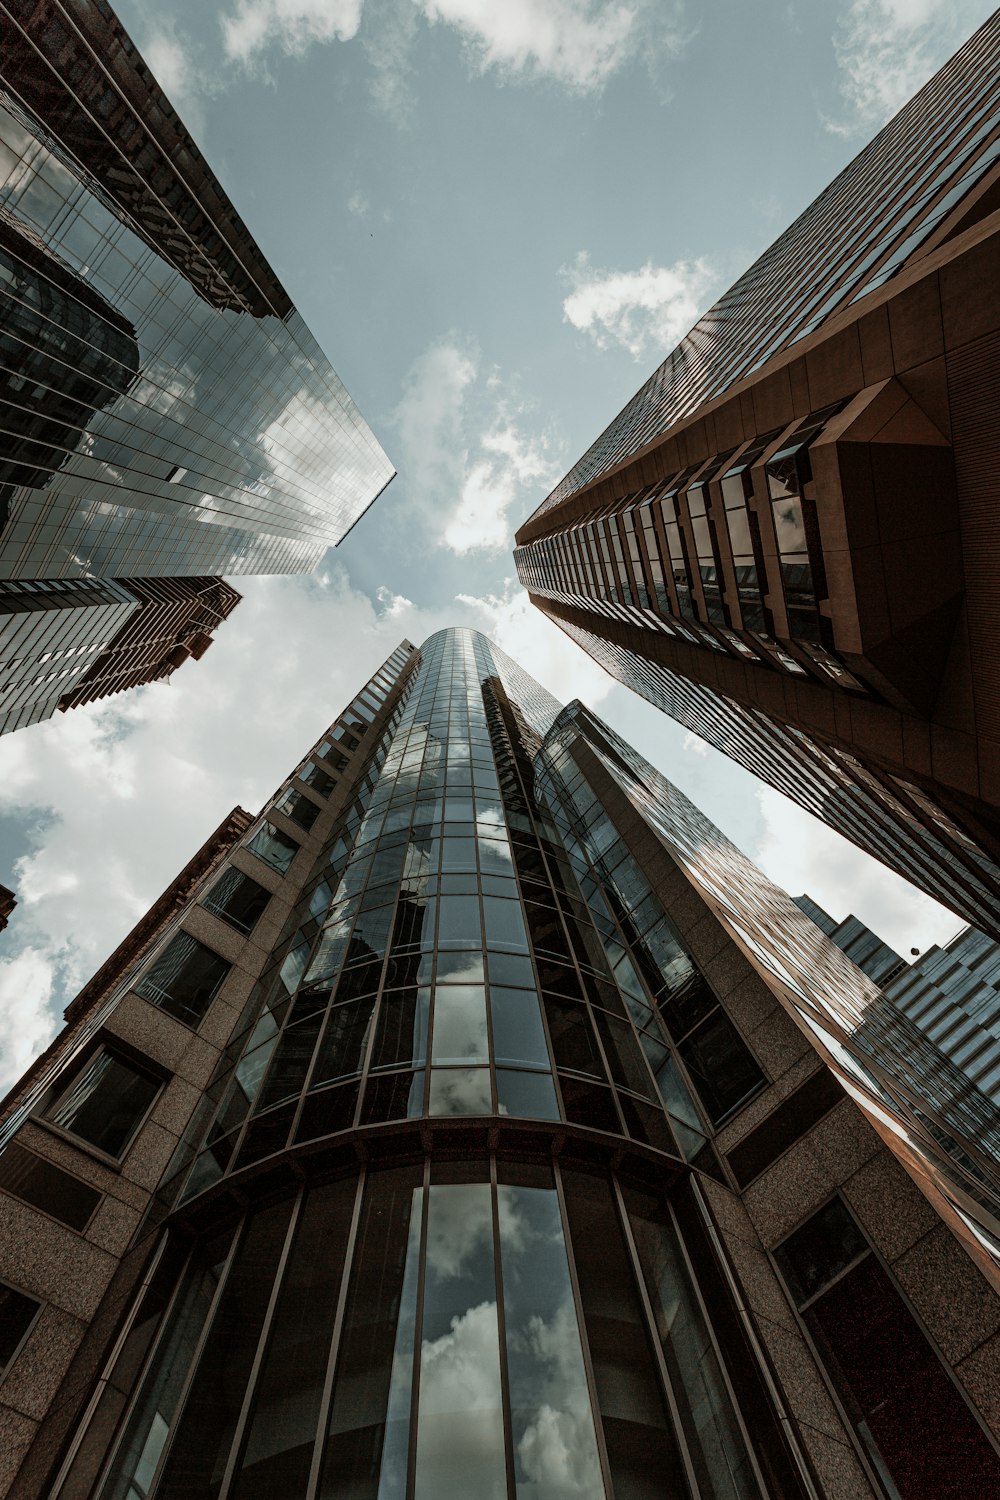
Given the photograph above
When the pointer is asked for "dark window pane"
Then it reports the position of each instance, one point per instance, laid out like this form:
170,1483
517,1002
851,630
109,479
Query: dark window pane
587,1104
291,1061
16,1314
282,1427
342,1050
105,1102
275,848
819,1251
393,1096
300,808
641,1448
369,1421
903,1402
721,1067
518,1033
206,1428
572,1034
184,979
528,1095
238,900
328,1112
41,1183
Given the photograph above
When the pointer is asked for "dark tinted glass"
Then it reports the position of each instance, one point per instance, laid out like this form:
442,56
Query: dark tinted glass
301,809
819,1251
48,1187
238,900
275,848
16,1313
105,1102
721,1067
184,979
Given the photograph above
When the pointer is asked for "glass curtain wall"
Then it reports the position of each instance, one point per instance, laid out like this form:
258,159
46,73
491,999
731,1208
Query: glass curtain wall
479,995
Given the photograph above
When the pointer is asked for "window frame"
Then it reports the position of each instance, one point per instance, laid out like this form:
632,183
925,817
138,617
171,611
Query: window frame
18,1349
121,1052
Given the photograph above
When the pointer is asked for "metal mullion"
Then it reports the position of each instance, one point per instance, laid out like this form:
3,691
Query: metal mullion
323,1415
696,1288
199,1350
247,1406
508,1425
786,1421
113,1357
581,1326
653,1336
418,1326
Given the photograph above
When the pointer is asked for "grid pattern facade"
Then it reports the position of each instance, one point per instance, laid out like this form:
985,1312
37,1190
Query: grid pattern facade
788,541
857,235
439,1223
166,411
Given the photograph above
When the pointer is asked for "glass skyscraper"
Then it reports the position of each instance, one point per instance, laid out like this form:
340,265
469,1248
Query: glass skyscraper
483,1123
787,538
167,411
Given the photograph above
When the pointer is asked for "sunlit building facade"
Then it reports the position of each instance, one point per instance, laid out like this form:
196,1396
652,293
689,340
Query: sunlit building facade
787,538
481,1123
166,410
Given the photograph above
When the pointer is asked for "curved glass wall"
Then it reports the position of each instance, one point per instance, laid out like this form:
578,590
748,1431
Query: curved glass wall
440,1329
484,946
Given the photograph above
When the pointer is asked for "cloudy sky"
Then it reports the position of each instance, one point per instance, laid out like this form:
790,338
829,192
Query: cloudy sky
497,217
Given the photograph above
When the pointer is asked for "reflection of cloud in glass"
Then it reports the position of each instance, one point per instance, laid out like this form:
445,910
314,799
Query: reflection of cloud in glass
557,1452
457,1229
460,1446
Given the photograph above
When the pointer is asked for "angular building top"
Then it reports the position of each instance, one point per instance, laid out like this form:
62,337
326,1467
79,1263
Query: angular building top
167,410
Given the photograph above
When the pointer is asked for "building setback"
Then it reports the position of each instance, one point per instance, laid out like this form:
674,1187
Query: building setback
787,539
164,411
478,1121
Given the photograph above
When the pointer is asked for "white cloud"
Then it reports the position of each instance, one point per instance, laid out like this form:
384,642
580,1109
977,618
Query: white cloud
359,205
256,27
645,311
579,43
806,857
464,433
886,49
25,1018
532,639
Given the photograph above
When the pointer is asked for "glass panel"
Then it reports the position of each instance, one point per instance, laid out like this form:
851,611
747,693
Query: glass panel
342,1050
555,1448
518,1034
458,925
184,979
149,1425
642,1451
715,1443
376,1339
460,1024
282,1429
460,1091
460,1439
722,1068
238,900
275,848
401,1031
528,1095
16,1314
105,1103
198,1455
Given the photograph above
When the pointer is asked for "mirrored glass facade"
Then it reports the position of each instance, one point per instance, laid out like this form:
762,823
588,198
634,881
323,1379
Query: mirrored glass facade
165,409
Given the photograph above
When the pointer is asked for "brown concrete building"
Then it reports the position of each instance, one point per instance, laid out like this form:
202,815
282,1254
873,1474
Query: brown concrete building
481,1123
788,539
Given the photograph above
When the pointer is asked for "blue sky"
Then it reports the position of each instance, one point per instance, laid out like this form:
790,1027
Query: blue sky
497,217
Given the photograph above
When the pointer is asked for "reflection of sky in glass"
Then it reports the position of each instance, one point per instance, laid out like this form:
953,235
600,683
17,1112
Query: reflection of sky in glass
555,1450
392,1479
460,1441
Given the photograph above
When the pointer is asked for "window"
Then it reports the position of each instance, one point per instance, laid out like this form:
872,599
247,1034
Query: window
274,847
318,779
17,1313
238,900
298,807
104,1102
46,1186
184,979
909,1416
